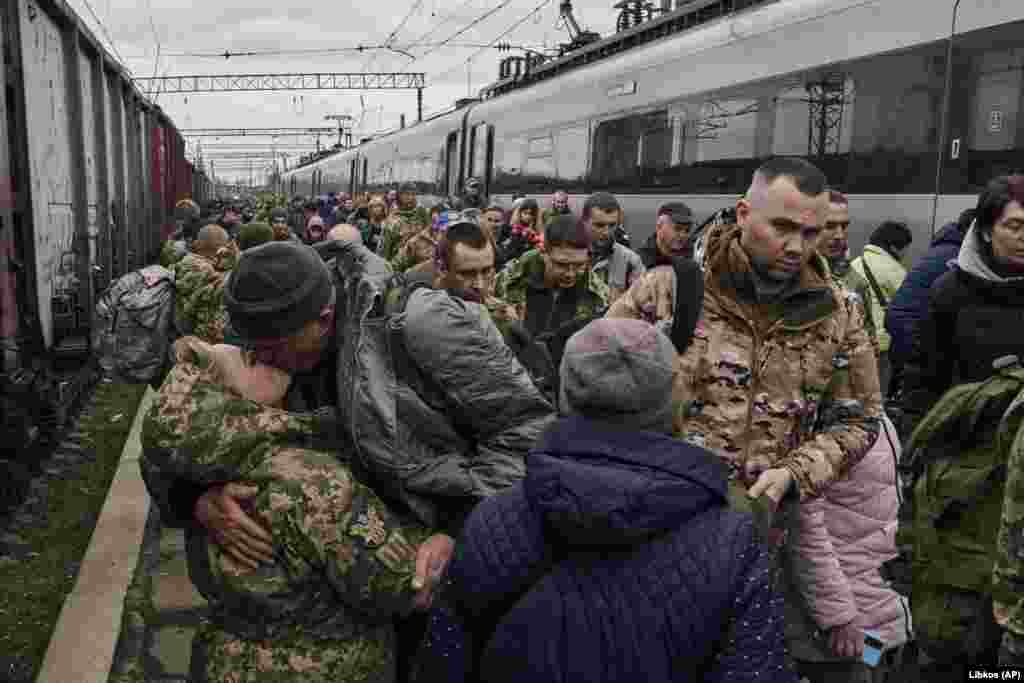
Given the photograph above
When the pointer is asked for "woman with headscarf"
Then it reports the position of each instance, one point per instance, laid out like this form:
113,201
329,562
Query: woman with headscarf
524,233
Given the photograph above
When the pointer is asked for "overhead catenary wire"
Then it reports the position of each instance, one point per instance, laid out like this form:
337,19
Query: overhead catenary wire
483,17
227,54
490,45
106,34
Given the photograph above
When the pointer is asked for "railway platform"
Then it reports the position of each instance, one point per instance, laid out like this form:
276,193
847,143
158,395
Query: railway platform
133,610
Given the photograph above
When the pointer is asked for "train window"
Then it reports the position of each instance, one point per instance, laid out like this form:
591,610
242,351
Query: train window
896,121
987,113
725,130
478,162
539,169
452,164
571,157
508,164
628,150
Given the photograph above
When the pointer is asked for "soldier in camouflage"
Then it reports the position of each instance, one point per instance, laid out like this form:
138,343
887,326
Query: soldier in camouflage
199,285
402,224
186,216
834,247
343,562
780,378
553,288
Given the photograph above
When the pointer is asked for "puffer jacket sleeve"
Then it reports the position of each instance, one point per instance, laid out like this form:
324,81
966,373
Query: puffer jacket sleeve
850,417
488,393
755,645
929,370
649,298
826,592
910,303
499,556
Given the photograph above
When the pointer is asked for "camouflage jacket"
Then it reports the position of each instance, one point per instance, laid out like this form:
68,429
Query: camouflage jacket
398,228
172,251
343,568
793,384
416,250
522,280
848,278
199,297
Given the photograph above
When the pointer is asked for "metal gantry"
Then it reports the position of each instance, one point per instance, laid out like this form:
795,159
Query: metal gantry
300,81
255,132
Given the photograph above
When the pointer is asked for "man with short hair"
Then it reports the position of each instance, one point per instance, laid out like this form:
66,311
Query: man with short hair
617,266
492,219
559,206
199,285
781,378
279,224
671,238
834,246
553,288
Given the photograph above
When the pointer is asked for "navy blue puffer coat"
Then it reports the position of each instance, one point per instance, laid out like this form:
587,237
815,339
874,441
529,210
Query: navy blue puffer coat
910,303
616,560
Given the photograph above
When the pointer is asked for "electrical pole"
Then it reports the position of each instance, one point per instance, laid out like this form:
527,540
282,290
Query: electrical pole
344,127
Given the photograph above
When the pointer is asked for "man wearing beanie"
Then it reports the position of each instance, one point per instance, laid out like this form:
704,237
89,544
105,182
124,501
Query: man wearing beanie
199,285
610,501
186,217
439,410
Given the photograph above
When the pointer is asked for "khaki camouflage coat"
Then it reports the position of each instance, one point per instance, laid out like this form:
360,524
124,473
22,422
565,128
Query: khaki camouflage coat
791,385
199,297
323,610
398,228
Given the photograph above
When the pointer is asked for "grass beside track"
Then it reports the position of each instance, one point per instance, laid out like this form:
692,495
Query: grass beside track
33,590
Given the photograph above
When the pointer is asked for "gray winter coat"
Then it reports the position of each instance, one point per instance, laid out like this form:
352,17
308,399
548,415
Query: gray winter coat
437,404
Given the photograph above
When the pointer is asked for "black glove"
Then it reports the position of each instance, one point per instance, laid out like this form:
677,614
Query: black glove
535,357
688,304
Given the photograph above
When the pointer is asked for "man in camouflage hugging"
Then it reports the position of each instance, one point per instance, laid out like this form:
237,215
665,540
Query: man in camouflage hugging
343,563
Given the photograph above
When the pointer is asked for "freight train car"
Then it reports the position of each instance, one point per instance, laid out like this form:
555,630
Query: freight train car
687,105
90,171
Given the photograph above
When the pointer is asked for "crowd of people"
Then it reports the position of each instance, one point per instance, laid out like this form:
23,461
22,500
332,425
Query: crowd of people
471,442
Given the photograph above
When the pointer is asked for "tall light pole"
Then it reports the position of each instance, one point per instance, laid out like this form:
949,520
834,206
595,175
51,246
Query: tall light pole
943,121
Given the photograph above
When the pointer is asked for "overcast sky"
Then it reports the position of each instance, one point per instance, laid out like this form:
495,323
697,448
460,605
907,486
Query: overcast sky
213,26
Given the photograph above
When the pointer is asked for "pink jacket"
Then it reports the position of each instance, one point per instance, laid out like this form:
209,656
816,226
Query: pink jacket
834,551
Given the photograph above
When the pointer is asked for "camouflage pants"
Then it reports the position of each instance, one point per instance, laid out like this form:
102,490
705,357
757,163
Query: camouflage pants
220,657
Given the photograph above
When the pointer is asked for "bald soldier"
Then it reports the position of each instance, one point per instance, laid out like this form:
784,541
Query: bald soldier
780,378
199,284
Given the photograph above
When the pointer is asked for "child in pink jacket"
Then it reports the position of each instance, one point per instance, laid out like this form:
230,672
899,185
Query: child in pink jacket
834,591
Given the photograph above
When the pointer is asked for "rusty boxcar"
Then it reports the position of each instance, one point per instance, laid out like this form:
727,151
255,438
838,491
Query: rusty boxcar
90,171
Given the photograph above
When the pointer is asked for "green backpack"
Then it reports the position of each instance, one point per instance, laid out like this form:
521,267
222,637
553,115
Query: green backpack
954,475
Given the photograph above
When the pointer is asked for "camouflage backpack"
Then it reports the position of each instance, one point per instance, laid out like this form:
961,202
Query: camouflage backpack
953,479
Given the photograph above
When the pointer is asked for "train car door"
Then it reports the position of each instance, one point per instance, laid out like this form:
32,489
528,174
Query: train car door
353,168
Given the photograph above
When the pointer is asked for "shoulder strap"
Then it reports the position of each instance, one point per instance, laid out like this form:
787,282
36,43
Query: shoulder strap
873,282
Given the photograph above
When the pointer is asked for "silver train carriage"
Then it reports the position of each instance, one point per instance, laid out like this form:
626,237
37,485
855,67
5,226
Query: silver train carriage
856,86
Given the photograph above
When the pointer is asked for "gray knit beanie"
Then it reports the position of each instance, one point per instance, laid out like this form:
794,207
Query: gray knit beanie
619,371
275,289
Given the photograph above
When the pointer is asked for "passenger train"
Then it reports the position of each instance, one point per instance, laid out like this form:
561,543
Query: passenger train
687,105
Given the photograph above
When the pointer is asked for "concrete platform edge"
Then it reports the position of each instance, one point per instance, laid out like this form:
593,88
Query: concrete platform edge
81,649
